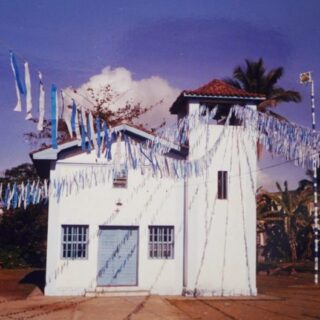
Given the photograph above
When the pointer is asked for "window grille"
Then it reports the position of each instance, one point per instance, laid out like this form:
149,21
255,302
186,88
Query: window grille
161,242
120,178
75,242
222,184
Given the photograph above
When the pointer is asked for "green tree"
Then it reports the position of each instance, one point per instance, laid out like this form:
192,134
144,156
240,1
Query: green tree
23,232
20,173
23,236
254,78
288,209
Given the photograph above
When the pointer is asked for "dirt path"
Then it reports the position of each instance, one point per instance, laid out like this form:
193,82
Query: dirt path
281,298
290,297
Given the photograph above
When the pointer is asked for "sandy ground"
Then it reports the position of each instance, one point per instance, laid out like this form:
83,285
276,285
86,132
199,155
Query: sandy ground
280,297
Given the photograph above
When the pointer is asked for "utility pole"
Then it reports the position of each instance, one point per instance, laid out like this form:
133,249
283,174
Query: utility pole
306,78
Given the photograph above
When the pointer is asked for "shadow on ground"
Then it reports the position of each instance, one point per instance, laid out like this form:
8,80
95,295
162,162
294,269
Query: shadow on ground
36,277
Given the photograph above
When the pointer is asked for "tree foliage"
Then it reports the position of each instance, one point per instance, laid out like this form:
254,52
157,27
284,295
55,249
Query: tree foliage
23,172
101,103
253,77
287,222
23,232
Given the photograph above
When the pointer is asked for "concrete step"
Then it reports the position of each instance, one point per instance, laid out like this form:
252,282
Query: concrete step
110,292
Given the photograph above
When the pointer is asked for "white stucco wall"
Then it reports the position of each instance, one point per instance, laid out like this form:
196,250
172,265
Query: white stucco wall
146,201
221,234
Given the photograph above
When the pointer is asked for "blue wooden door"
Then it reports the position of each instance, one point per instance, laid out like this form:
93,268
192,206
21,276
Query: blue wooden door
118,256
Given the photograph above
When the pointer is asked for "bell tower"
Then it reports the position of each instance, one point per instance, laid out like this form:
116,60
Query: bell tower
220,208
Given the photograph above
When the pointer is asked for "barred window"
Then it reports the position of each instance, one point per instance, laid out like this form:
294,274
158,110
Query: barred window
75,241
161,242
120,178
222,184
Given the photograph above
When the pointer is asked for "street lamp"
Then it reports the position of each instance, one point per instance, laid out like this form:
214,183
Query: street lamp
306,78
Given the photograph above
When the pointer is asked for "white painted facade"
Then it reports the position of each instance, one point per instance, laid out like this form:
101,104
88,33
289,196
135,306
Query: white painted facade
215,239
146,201
221,233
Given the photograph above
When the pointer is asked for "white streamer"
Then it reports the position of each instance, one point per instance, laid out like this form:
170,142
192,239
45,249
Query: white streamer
93,133
28,89
41,103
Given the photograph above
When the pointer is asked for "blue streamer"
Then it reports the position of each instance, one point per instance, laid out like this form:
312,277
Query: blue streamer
110,142
141,150
106,137
28,193
89,147
98,126
133,160
54,117
83,133
6,196
20,83
15,196
73,117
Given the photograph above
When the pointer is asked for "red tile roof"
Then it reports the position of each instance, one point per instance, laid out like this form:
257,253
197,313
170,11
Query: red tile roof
219,91
218,88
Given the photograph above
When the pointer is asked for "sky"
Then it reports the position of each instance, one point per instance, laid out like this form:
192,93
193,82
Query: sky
155,47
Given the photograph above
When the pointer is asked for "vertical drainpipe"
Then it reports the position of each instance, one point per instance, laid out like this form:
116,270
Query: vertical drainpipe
185,222
185,236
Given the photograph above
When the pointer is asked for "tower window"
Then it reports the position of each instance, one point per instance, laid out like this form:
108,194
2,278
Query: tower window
222,184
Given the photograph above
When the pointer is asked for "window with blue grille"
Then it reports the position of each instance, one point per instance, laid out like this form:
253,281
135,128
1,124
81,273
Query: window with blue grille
75,241
161,242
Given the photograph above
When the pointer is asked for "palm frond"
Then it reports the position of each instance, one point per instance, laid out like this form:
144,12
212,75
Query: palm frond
273,76
233,82
252,77
281,95
240,75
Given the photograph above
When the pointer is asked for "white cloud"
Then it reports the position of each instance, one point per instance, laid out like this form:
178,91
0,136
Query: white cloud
149,91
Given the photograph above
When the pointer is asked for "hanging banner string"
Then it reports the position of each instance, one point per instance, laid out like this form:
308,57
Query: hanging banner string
23,195
278,137
282,138
140,158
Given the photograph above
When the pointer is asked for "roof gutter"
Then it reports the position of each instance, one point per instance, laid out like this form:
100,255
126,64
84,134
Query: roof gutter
188,95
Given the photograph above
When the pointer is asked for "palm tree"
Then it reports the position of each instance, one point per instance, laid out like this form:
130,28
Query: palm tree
288,207
254,78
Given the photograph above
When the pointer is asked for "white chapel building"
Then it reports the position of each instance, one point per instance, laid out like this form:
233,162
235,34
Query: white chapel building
142,232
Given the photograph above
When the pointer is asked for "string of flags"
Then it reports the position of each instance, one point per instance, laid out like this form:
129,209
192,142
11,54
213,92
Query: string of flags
278,137
22,195
80,124
283,138
149,158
